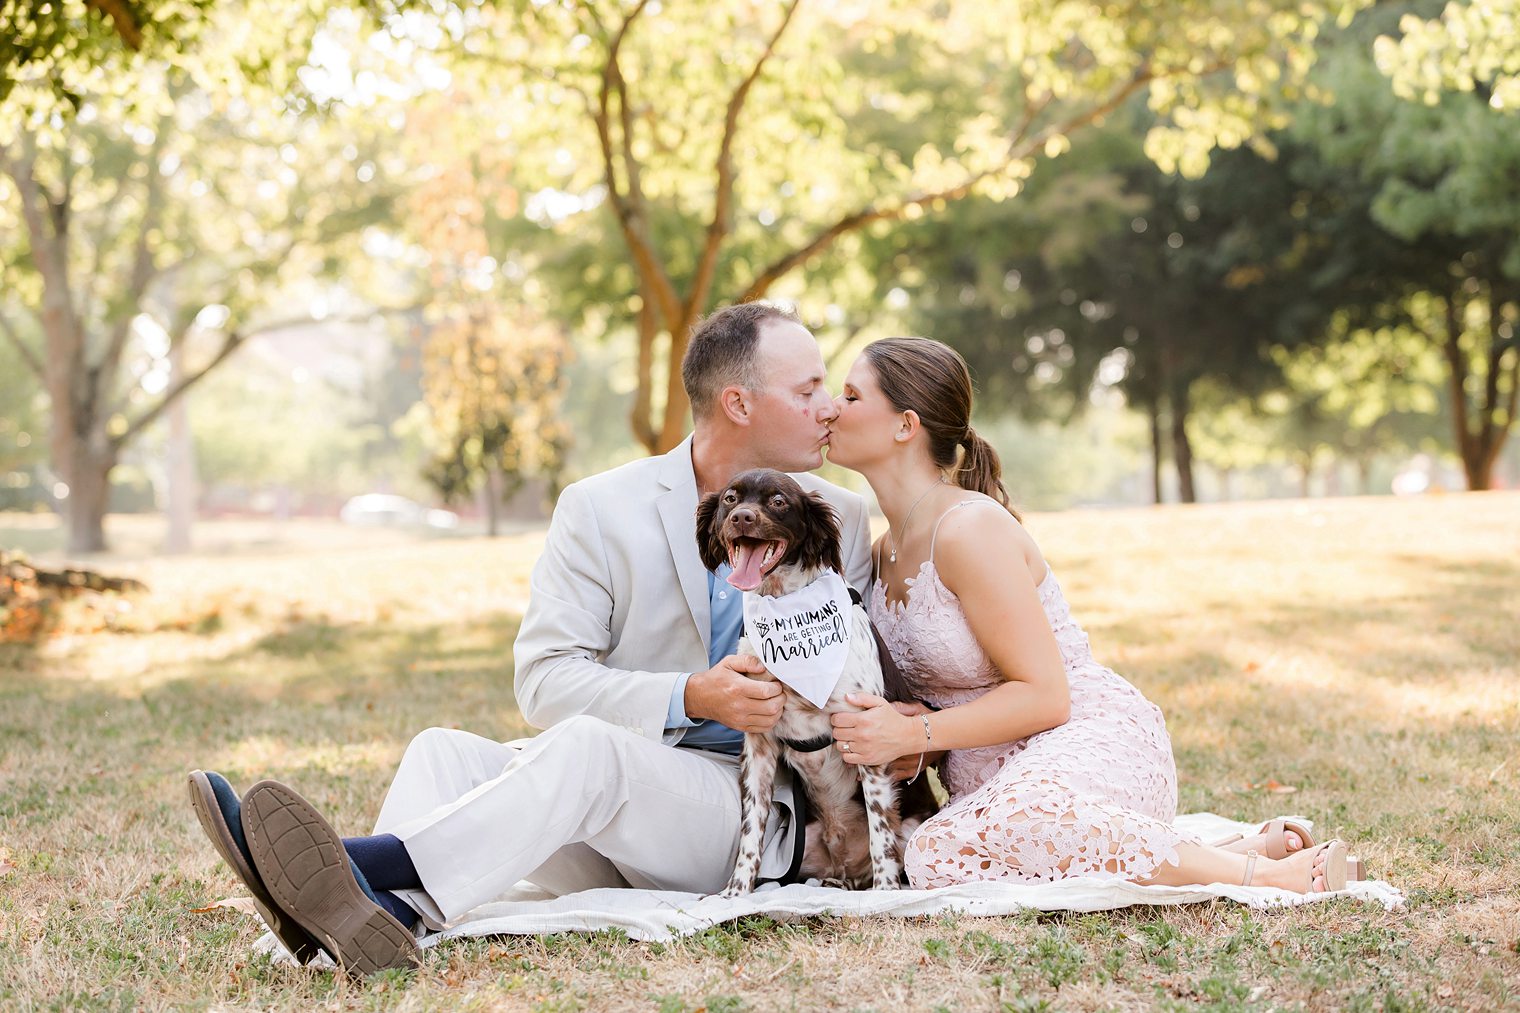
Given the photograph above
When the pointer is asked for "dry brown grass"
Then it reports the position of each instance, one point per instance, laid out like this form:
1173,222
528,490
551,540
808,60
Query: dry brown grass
1362,651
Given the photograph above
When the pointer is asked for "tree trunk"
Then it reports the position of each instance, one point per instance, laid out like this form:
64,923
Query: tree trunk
1157,450
673,428
89,482
1479,469
639,417
1182,449
1475,445
660,435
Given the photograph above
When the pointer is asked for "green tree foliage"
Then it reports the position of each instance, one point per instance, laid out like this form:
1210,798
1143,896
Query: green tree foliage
730,144
23,432
160,216
492,387
493,370
1436,182
1111,271
317,445
1365,392
63,45
1471,47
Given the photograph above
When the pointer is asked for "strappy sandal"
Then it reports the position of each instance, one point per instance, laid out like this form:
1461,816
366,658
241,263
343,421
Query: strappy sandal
1271,840
1334,869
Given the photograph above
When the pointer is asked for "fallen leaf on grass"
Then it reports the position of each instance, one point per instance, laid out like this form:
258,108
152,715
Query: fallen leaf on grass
1271,786
243,904
6,865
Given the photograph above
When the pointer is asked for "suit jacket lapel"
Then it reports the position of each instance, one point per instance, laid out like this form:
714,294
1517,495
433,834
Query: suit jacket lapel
678,512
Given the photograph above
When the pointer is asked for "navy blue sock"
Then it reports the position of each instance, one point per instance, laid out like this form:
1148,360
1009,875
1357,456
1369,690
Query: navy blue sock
402,913
384,862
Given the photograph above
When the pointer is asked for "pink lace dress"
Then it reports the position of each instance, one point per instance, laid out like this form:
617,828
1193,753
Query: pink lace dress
1093,797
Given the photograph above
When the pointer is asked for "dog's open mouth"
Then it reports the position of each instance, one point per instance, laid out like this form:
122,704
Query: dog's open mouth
752,559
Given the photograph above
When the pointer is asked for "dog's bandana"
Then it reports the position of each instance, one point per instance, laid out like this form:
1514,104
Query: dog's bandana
803,638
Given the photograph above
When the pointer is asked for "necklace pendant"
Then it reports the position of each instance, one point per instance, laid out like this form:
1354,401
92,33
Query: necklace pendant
893,557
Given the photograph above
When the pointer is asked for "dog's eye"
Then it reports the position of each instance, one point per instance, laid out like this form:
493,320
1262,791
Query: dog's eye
778,501
730,497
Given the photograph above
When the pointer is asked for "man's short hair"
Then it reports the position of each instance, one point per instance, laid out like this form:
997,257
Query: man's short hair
722,352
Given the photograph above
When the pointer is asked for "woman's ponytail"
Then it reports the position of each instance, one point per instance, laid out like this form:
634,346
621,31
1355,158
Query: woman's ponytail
981,470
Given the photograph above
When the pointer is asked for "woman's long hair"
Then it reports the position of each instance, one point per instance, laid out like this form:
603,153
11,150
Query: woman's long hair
930,378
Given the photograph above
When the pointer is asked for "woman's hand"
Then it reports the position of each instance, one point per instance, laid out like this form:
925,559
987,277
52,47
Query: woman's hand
877,734
907,767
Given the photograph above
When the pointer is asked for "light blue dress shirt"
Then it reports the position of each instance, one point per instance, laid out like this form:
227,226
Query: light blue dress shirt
726,603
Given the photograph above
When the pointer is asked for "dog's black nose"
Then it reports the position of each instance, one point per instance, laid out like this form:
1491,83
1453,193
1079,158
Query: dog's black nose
743,515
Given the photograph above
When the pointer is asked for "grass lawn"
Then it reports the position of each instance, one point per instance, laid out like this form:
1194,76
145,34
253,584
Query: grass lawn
1363,652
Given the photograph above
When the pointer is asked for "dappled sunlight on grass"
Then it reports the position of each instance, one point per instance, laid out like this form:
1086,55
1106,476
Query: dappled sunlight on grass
273,753
1353,661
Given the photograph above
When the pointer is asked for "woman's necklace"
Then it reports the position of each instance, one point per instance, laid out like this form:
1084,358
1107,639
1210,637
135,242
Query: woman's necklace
892,542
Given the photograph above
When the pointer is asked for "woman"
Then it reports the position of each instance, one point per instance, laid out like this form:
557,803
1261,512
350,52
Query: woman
1056,766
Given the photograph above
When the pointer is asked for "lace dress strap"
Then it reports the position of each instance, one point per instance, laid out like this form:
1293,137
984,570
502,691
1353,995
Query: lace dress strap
934,537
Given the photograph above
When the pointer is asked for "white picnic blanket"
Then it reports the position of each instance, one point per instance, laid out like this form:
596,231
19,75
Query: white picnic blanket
658,915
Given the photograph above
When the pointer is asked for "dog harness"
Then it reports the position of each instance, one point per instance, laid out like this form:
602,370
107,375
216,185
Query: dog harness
808,745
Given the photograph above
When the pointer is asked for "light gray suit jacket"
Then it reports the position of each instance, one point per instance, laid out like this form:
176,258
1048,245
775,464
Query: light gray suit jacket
619,599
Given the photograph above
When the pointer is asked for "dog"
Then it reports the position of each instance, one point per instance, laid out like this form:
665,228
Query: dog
780,539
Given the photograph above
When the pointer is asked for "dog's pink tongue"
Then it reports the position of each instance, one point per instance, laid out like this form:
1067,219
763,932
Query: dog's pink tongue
746,560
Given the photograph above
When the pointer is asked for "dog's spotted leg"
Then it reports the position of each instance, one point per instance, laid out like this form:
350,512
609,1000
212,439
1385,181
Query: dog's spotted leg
757,780
881,801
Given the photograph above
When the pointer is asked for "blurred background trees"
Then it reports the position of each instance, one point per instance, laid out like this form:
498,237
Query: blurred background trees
454,249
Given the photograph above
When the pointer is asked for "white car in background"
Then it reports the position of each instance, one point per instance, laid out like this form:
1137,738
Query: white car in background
386,510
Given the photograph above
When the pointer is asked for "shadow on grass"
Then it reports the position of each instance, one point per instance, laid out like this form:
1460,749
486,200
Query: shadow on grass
1467,616
343,711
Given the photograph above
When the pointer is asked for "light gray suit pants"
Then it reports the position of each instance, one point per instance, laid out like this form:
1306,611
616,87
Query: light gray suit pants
586,804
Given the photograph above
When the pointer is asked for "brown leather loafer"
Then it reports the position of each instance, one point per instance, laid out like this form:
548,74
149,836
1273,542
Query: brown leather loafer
302,862
216,805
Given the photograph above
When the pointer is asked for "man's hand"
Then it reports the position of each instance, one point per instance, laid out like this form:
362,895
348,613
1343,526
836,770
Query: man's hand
727,694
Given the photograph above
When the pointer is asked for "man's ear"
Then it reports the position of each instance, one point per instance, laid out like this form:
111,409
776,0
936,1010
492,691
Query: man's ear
735,403
907,426
708,544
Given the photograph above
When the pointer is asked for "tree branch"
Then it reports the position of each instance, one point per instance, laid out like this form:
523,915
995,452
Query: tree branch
870,213
627,205
1489,410
466,55
707,262
121,19
231,341
1514,391
1456,360
639,416
60,320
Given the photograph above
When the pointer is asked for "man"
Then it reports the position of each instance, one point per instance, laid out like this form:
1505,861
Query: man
625,655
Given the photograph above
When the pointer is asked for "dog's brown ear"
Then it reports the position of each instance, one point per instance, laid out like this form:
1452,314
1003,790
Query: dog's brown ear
708,544
820,537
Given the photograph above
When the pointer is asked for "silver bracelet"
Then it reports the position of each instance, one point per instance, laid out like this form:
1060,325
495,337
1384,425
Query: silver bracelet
928,741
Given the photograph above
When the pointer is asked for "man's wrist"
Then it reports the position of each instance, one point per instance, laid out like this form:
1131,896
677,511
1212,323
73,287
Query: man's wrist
676,715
